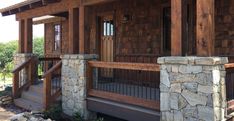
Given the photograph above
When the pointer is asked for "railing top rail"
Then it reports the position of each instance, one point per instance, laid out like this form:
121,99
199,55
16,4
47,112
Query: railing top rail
49,58
54,68
125,65
21,66
229,65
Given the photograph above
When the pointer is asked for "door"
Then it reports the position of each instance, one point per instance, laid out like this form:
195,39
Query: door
106,44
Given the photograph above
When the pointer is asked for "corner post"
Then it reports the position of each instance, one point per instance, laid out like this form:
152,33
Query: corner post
73,31
21,36
28,35
176,27
205,27
82,29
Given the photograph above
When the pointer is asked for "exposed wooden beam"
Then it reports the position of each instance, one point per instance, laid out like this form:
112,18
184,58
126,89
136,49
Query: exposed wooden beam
74,31
49,9
205,27
176,27
49,20
21,37
81,29
93,2
28,36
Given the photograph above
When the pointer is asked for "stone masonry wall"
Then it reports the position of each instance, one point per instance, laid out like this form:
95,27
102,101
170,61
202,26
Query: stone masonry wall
20,58
192,88
74,84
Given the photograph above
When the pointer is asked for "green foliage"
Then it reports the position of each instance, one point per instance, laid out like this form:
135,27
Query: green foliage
7,51
54,113
38,47
77,117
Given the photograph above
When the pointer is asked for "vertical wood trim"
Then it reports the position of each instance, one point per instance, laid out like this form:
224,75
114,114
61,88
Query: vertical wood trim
15,84
74,31
176,27
47,90
82,30
205,27
21,37
28,35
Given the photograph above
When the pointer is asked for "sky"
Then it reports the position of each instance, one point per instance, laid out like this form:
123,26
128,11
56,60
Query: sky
9,27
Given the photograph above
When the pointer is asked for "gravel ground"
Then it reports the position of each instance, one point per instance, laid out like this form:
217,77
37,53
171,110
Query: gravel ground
7,111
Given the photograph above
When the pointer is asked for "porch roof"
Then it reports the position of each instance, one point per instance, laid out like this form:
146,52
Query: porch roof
25,5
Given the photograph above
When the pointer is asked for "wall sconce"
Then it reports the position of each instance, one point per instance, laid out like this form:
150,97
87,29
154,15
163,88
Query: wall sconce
126,18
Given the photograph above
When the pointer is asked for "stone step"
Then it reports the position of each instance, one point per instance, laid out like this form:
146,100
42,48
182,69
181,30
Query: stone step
29,105
32,96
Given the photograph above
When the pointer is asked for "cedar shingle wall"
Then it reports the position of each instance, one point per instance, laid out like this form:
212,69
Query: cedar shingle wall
49,37
141,35
224,28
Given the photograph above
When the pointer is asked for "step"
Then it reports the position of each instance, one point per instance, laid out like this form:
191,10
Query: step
29,105
33,96
36,89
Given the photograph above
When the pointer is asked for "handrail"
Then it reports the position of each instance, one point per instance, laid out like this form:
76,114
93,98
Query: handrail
55,67
229,65
29,65
124,65
22,66
49,58
48,96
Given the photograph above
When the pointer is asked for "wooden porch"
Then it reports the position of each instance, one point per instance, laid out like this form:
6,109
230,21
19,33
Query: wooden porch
125,80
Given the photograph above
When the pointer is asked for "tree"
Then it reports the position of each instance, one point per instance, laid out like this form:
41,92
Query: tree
38,47
7,51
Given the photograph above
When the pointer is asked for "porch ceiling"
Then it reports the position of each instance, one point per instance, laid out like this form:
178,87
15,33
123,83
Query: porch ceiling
26,5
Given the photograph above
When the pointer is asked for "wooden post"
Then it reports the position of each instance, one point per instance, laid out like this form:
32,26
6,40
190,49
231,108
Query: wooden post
28,36
176,27
74,31
205,27
21,37
15,84
47,90
82,30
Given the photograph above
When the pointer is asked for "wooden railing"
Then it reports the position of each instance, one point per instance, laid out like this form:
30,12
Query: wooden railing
45,63
23,76
230,81
131,83
52,84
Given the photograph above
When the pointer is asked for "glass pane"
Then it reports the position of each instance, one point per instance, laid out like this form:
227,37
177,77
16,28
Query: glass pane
104,28
108,28
57,37
112,28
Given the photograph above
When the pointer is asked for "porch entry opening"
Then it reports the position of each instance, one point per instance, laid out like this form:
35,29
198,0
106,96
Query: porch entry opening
106,48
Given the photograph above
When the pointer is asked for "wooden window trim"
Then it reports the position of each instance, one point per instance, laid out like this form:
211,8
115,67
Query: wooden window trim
59,50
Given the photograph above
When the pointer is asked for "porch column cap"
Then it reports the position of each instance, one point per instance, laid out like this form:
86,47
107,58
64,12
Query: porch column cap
193,60
79,56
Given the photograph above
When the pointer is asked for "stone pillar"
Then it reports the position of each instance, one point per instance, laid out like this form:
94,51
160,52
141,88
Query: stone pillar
192,88
74,85
20,58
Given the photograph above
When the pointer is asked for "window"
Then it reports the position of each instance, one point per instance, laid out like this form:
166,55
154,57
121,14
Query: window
167,29
57,37
108,28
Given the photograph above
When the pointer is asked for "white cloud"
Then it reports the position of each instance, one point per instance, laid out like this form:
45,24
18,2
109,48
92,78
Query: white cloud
9,28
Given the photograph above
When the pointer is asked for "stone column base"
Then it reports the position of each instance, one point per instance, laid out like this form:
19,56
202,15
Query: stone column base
192,88
74,91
